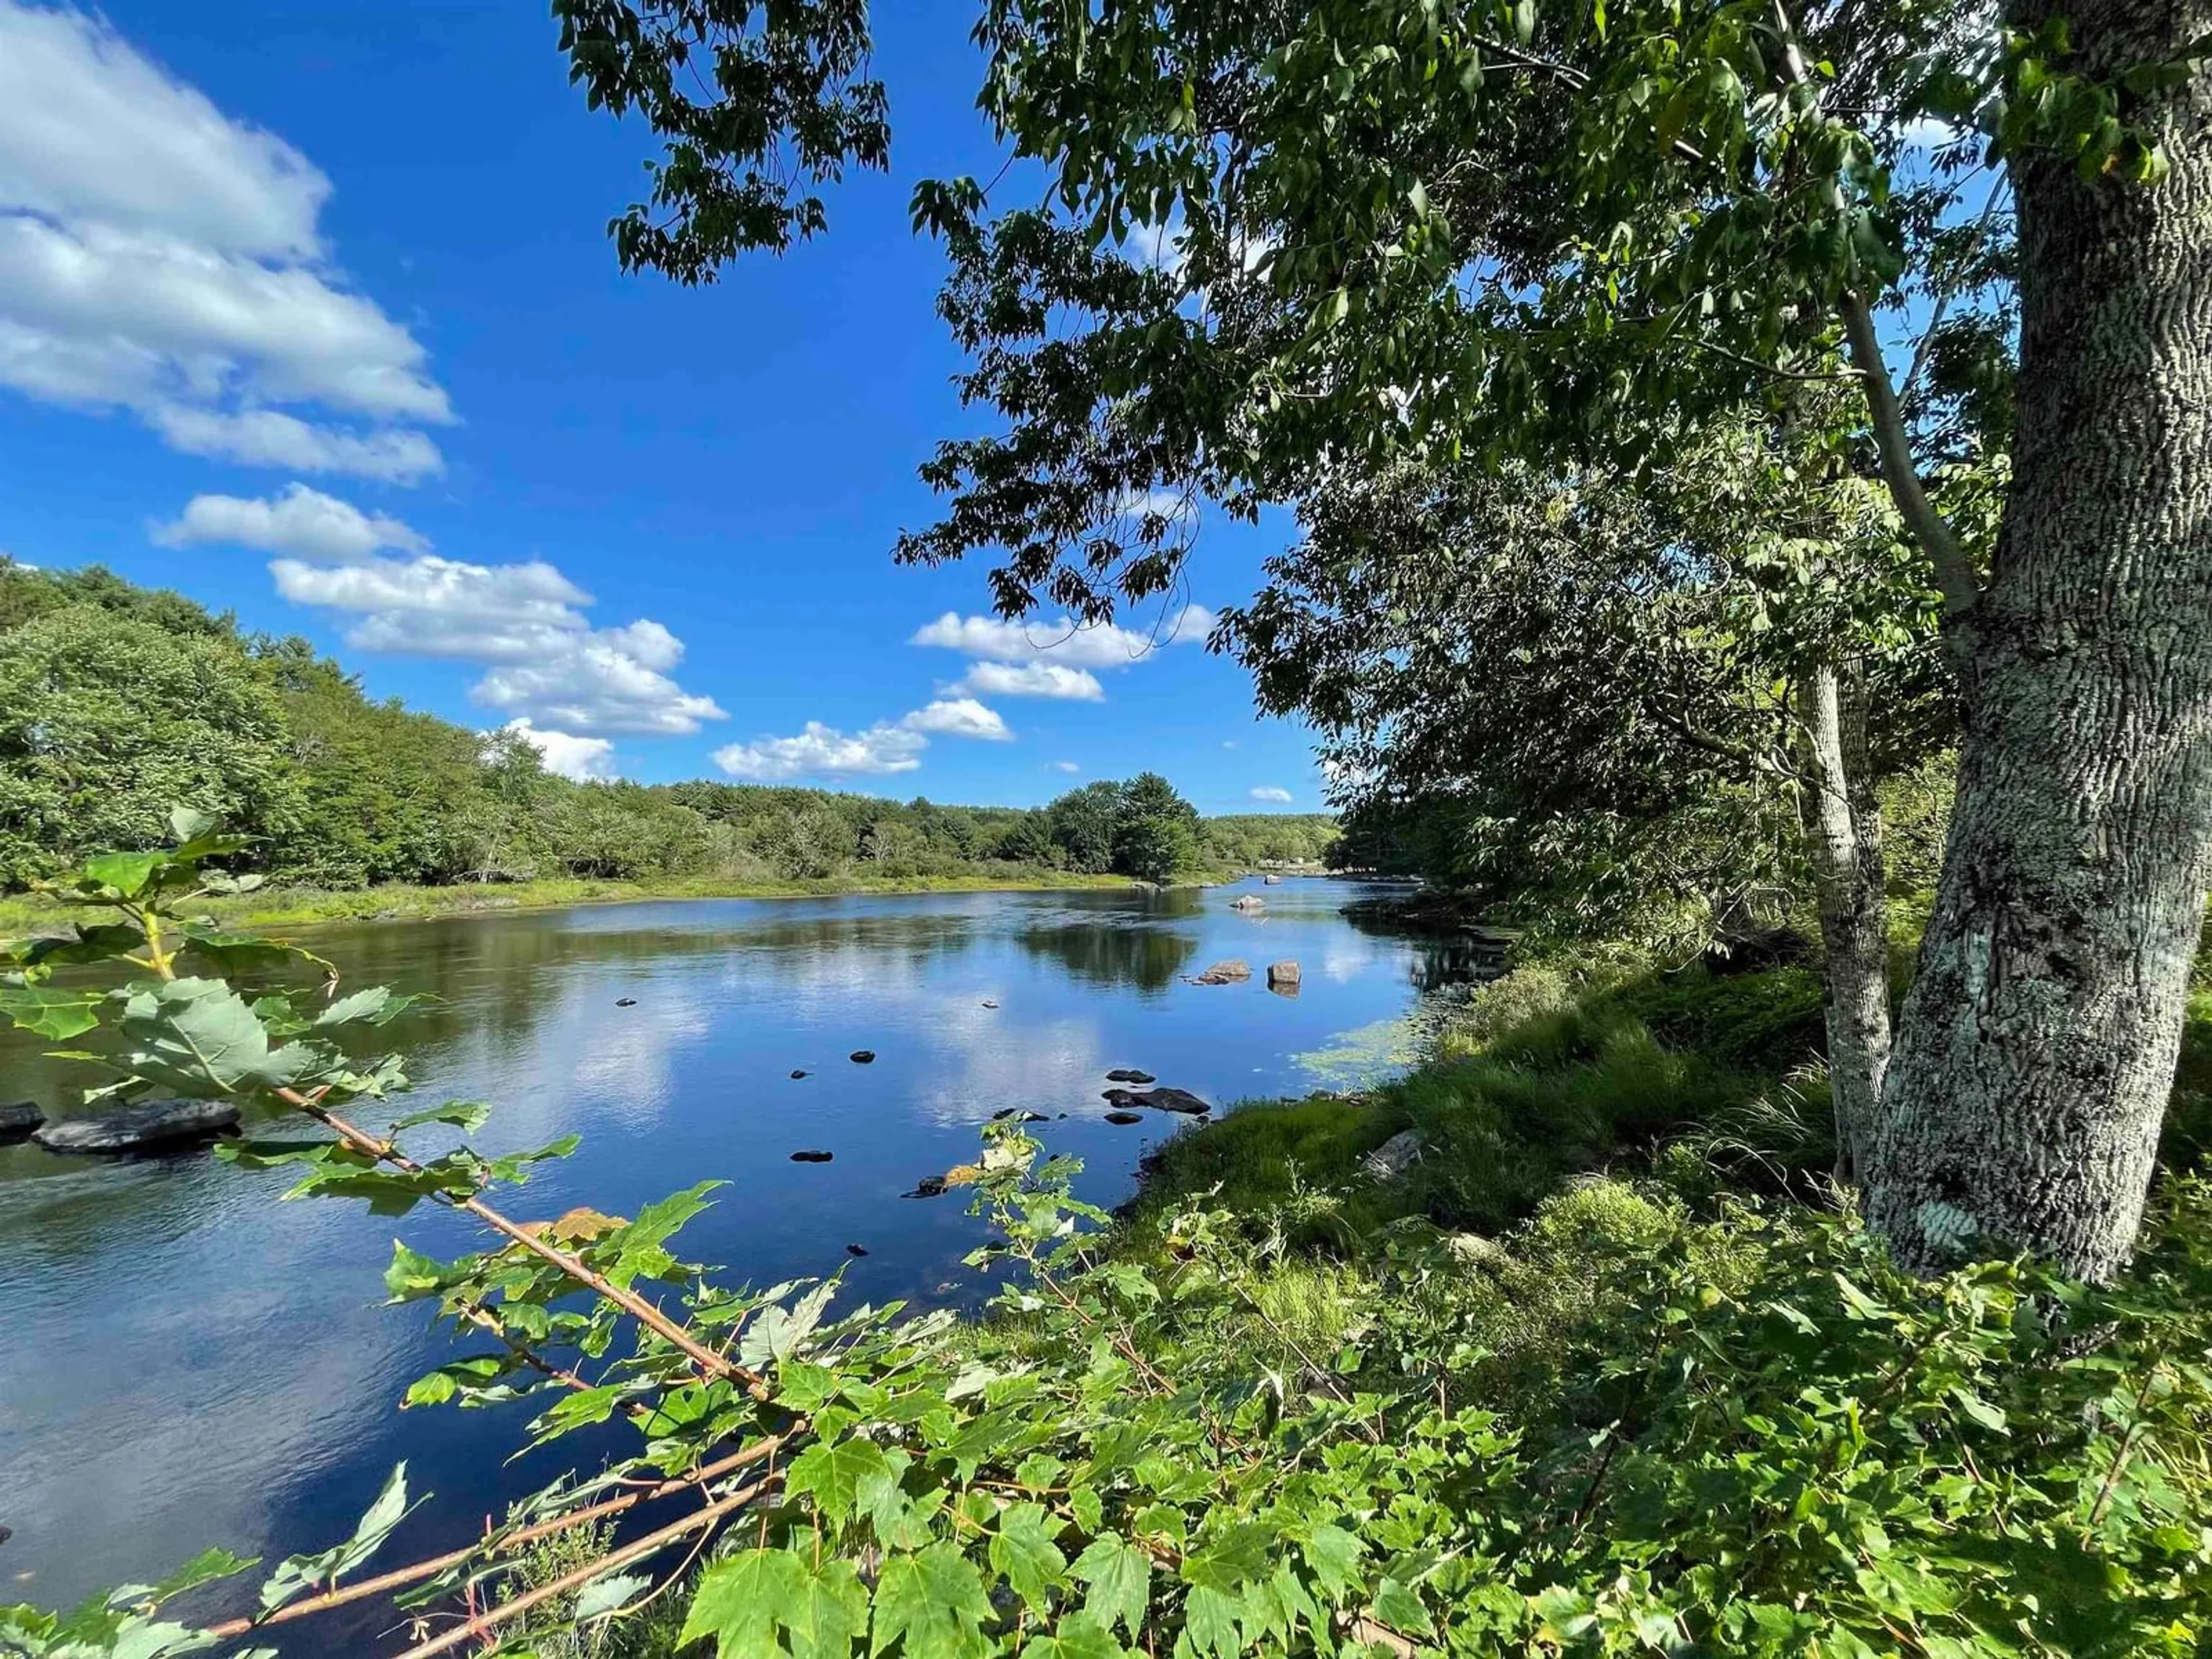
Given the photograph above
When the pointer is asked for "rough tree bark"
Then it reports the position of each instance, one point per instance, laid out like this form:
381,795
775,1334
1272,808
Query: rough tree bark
2036,1050
1842,839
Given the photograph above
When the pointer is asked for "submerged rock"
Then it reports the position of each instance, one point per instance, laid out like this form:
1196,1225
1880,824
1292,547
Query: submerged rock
864,1056
1160,1100
1130,1074
1232,972
19,1119
988,1003
811,1157
1017,1114
856,1250
796,1075
1395,1156
1125,1117
129,1128
625,1002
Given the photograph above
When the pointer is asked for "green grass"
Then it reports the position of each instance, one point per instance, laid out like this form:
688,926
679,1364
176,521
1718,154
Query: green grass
278,907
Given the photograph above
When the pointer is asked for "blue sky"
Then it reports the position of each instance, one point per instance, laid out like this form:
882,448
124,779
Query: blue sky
309,312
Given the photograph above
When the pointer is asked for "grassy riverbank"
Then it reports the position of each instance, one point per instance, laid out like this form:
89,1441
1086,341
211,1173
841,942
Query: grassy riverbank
292,907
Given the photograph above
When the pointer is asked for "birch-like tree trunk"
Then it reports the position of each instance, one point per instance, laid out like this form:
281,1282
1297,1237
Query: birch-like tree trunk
2036,1049
1843,839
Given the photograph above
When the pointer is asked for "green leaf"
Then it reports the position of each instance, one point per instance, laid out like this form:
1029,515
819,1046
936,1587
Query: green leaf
466,1115
743,1601
1079,1637
1023,1551
935,1601
188,823
1120,1575
300,1573
125,873
199,1037
609,1593
57,1015
834,1473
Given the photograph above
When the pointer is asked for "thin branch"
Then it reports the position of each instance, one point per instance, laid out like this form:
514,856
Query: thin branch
1954,570
400,1577
651,1544
709,1362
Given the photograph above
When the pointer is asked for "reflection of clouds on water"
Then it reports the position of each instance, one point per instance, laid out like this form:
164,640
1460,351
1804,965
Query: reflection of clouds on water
1048,1068
1346,956
632,1065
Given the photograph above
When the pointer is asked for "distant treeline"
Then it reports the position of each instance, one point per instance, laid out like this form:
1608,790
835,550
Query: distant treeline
117,702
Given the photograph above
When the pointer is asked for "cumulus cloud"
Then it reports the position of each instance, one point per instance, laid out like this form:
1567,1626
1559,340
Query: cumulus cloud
959,717
1271,791
159,255
1061,642
584,759
824,751
1031,679
301,522
547,666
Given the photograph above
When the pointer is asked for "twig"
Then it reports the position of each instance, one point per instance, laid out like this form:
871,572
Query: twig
399,1577
637,1307
651,1544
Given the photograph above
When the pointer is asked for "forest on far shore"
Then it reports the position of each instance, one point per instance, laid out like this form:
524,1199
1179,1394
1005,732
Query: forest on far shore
117,702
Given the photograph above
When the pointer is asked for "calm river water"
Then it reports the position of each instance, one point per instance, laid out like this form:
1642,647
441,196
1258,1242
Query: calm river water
185,1362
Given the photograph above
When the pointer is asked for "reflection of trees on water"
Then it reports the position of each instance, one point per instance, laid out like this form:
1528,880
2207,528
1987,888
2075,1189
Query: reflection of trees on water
1104,954
1437,956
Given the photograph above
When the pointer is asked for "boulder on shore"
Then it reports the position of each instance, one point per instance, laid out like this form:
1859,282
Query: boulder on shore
1235,971
1130,1074
19,1119
1160,1100
1395,1156
129,1128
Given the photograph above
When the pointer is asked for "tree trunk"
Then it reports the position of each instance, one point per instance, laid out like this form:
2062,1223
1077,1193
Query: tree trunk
1842,839
2036,1049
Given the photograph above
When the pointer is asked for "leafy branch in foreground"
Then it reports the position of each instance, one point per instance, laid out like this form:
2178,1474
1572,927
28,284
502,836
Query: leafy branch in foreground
1754,1435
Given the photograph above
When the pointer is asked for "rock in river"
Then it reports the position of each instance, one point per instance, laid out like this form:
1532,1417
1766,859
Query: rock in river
1249,901
864,1056
625,1002
19,1119
795,1076
810,1157
1125,1117
1232,972
129,1128
1283,973
1160,1100
856,1250
1130,1074
928,1186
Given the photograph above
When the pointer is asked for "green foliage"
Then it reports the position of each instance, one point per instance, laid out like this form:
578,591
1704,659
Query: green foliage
121,700
1621,1424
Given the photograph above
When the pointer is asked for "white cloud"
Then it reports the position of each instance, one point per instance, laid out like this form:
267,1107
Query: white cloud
1031,679
1069,767
822,750
1228,743
158,256
959,717
566,754
301,521
265,437
1271,791
1103,645
547,664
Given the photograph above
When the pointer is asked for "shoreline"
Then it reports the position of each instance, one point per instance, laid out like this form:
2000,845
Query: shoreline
25,913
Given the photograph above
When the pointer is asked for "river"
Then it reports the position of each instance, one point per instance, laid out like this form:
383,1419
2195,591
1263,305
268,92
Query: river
186,1361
